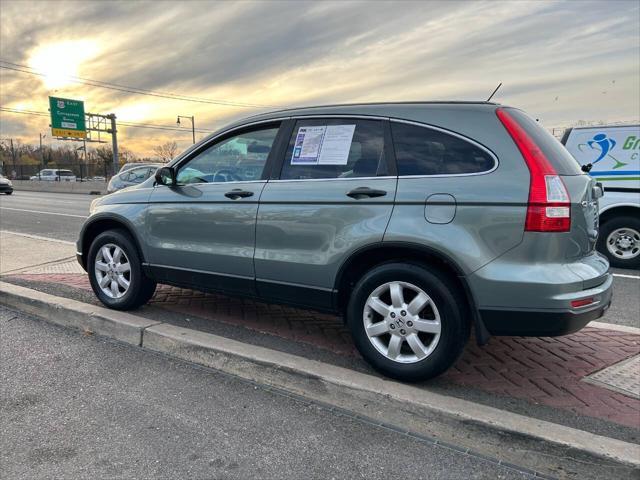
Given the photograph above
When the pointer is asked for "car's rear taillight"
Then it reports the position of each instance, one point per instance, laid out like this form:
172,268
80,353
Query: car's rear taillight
549,206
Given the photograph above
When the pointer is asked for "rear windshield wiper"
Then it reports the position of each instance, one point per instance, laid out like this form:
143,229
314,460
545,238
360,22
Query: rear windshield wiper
587,168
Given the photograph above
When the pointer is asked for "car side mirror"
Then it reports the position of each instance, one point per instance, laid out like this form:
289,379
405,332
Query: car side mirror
166,176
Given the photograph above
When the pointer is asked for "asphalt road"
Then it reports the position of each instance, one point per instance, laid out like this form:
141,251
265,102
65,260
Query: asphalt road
85,407
54,215
60,216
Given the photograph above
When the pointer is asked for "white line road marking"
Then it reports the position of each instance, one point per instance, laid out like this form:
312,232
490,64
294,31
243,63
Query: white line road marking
43,212
622,275
38,237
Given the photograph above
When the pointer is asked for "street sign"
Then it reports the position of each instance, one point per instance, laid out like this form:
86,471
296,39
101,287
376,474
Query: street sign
67,118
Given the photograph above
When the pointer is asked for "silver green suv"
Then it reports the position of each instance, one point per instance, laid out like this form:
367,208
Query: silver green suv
415,221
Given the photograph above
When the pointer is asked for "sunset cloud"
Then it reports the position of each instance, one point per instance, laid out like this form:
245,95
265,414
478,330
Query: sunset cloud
561,61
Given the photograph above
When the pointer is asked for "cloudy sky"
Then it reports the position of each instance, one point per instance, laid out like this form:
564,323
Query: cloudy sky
560,61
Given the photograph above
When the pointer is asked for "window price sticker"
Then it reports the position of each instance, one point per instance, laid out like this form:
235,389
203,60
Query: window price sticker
323,145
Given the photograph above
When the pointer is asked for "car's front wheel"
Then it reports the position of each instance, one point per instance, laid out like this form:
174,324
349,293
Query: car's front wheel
408,321
115,272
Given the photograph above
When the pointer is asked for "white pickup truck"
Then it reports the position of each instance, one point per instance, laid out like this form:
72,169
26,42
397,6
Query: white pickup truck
611,154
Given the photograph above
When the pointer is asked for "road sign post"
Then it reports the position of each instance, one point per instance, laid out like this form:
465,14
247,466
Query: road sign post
114,142
67,118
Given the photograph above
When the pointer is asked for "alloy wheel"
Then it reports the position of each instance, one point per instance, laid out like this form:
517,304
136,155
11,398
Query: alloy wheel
113,271
402,322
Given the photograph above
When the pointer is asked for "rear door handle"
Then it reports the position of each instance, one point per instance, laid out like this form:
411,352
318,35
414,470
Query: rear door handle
365,192
237,193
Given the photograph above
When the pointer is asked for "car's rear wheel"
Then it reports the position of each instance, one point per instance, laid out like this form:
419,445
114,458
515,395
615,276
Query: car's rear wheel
408,321
619,240
115,272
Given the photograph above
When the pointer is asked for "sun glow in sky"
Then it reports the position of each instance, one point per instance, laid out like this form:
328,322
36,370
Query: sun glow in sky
560,61
60,61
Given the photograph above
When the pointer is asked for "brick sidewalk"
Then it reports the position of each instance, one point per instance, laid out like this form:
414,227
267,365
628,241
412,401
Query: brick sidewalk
547,371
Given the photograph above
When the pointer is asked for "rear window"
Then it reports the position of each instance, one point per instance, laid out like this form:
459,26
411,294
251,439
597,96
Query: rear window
425,151
560,158
65,173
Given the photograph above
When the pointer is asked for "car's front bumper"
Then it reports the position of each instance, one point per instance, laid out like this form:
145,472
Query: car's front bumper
79,256
6,188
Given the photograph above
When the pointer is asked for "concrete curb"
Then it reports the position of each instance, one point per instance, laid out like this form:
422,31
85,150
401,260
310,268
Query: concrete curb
418,411
77,315
236,357
613,326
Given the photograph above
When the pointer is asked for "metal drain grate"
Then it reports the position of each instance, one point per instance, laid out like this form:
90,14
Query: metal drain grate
623,377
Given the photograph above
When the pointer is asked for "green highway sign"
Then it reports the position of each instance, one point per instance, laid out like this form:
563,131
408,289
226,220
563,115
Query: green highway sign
67,118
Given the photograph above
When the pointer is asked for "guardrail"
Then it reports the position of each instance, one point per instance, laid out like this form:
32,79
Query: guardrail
93,188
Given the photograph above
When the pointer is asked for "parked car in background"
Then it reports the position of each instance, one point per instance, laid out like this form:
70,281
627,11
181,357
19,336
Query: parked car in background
129,166
414,221
611,154
6,186
132,176
54,175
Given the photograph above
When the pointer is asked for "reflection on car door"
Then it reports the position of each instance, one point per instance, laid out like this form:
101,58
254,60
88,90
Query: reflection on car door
202,231
316,213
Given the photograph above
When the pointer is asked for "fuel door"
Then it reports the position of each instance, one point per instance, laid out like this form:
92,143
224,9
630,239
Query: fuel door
440,208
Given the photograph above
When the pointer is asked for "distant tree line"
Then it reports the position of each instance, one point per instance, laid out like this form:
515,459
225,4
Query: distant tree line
15,156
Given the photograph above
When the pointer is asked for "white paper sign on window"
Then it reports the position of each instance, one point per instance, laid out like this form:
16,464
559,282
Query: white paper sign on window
336,145
323,145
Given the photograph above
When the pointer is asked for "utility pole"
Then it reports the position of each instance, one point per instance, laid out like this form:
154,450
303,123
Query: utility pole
193,125
114,142
42,151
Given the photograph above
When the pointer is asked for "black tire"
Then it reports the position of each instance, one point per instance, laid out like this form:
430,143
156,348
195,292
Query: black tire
610,226
450,302
141,288
8,193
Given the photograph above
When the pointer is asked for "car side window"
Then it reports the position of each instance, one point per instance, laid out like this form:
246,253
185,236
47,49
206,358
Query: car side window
425,151
335,148
238,158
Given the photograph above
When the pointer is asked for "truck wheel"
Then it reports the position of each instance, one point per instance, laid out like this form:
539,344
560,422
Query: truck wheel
408,321
619,240
115,272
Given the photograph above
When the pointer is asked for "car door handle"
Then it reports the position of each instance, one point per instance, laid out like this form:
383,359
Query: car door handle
365,192
237,193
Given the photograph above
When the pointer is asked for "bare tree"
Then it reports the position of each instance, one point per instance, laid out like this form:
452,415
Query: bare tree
166,151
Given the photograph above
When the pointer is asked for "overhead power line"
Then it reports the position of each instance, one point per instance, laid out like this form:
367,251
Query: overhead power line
140,91
126,124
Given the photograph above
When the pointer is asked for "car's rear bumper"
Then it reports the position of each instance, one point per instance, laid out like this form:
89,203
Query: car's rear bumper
539,324
541,299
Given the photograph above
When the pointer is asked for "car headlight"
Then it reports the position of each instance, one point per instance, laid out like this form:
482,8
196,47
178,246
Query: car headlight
93,206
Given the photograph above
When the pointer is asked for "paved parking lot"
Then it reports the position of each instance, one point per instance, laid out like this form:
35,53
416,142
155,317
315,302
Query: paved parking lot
546,371
546,378
88,408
